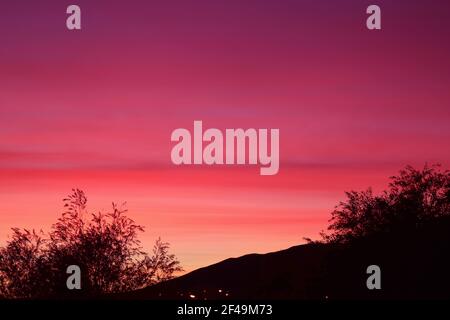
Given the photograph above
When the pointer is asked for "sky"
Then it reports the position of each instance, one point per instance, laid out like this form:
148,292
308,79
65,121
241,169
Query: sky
95,108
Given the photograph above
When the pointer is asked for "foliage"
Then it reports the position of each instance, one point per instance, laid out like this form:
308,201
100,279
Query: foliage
105,246
413,198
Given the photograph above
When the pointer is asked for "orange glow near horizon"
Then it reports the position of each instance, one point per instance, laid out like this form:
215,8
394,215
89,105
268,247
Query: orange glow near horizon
207,215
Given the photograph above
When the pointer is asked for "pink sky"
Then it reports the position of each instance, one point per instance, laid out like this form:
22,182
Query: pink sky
94,109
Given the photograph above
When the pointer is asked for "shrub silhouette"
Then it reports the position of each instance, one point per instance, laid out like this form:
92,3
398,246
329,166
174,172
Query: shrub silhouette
413,198
105,247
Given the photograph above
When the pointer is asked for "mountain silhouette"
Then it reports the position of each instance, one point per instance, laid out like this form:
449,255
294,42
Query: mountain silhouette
414,265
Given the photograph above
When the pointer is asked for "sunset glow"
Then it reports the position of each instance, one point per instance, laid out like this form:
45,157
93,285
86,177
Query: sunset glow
95,110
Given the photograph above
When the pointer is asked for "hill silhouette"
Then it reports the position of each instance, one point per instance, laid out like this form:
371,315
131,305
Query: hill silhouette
405,231
414,265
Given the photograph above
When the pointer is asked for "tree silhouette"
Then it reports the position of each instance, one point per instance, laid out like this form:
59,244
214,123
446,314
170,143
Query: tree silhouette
20,261
105,247
413,198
